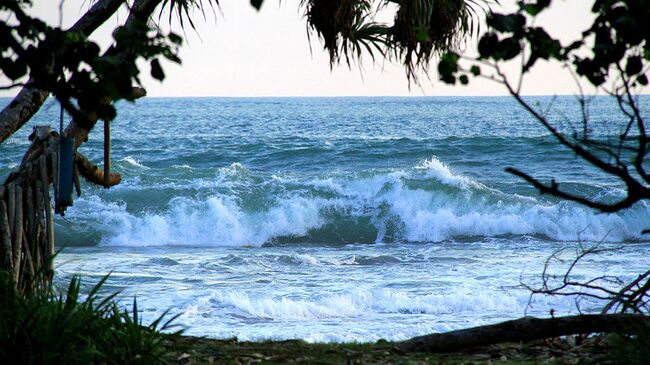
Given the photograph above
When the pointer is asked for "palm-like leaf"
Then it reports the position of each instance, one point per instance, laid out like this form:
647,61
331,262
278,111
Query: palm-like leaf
421,28
183,9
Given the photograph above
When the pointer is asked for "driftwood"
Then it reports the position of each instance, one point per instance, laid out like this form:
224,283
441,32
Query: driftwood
523,330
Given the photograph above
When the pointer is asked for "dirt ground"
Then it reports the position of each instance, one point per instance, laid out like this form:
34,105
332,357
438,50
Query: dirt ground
570,350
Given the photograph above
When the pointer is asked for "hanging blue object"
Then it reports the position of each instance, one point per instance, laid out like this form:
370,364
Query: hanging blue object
65,181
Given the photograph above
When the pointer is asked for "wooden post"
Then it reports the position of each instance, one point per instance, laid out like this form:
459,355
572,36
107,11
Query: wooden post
49,220
11,204
107,153
5,239
31,234
18,232
40,223
29,206
29,262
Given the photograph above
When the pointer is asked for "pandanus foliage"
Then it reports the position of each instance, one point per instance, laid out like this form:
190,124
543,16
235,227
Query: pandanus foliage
420,29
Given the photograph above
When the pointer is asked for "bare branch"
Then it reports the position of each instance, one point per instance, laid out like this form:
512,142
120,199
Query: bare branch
553,189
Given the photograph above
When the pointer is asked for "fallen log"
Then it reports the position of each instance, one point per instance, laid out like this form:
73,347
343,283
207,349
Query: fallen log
523,330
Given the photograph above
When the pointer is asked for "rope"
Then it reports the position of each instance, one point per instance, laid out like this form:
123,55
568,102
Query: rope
61,119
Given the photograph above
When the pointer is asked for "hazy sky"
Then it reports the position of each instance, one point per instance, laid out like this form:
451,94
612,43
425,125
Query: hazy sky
242,52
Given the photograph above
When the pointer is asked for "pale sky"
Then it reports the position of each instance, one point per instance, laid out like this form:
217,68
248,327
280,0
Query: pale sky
242,52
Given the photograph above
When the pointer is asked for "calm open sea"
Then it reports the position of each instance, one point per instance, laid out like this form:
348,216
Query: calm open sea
338,219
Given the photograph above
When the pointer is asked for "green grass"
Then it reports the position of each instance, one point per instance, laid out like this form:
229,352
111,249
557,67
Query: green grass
45,327
633,349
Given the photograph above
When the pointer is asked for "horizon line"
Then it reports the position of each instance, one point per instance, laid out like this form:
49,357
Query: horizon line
350,96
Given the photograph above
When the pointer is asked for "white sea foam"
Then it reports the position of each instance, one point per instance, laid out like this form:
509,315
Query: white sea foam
359,303
395,209
442,173
133,162
306,259
215,221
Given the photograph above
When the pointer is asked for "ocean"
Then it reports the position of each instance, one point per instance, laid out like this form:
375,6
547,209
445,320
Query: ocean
340,219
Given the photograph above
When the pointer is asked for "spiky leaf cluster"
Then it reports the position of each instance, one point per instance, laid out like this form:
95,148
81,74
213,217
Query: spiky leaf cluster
420,29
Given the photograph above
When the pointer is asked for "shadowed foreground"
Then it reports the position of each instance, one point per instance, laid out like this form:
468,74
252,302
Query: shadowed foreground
570,350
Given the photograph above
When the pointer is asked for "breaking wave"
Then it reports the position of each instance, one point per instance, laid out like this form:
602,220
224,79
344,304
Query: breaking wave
425,203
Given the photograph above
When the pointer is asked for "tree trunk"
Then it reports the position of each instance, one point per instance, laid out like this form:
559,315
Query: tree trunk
30,99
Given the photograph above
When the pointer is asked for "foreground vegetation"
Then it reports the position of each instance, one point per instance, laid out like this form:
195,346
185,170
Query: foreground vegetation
43,326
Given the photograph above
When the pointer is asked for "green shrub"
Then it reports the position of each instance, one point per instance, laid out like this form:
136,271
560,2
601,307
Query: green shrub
42,327
633,349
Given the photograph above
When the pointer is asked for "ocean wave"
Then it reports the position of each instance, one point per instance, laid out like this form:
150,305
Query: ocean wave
132,162
357,303
427,203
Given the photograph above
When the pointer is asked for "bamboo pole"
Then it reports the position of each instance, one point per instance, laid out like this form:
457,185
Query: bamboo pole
29,263
49,220
40,225
31,226
18,232
107,153
11,204
29,201
5,239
